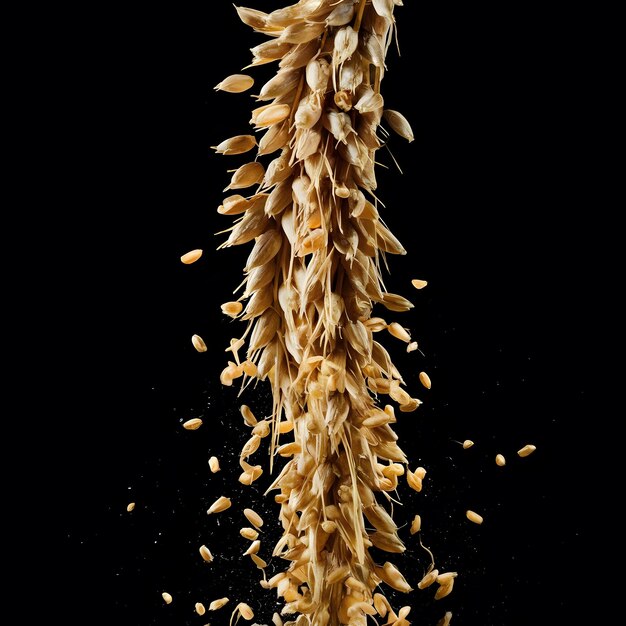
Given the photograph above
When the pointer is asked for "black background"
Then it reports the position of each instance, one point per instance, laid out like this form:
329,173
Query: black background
485,210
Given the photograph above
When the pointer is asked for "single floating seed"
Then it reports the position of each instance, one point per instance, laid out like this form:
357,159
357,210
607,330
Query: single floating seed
214,464
232,309
412,346
399,332
130,507
249,533
474,517
425,380
206,554
416,525
191,257
419,284
254,518
221,504
500,460
428,579
236,83
258,561
192,424
200,610
245,611
198,343
445,578
218,604
255,546
526,450
167,598
444,590
468,443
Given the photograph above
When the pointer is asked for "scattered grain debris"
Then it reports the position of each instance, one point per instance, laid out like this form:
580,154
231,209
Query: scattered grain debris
474,517
214,464
206,554
412,347
419,284
167,598
130,507
200,610
192,424
526,450
254,518
191,257
500,460
221,504
198,343
218,604
416,525
425,380
468,443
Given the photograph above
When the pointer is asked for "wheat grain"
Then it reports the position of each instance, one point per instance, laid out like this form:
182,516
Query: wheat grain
192,424
130,507
221,504
526,450
218,604
167,598
198,343
191,257
474,517
205,553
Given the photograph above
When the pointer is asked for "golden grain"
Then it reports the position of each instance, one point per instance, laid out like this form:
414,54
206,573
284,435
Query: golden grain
526,450
468,443
428,579
445,590
254,518
191,257
218,604
245,611
200,610
221,504
500,460
198,343
474,517
167,598
236,83
130,507
192,424
400,125
214,464
258,561
236,145
249,533
416,525
232,309
206,554
425,380
254,547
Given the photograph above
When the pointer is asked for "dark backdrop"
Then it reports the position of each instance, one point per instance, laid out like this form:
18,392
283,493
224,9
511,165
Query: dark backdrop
484,208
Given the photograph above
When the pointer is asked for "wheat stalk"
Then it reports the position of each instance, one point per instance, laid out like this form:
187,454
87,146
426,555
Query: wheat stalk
311,281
